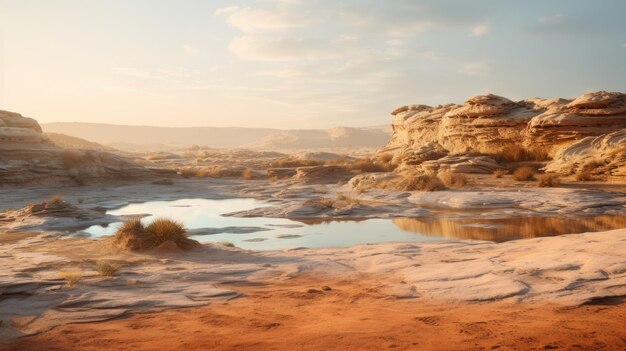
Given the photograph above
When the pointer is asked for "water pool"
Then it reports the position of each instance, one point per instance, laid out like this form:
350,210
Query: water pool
262,233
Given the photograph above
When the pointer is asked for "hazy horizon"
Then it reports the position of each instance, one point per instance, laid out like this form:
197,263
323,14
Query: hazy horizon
290,64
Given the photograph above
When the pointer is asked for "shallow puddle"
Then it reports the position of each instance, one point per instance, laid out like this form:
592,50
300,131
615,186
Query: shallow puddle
261,233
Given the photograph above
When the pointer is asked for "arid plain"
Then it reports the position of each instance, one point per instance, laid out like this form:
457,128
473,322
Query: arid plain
495,224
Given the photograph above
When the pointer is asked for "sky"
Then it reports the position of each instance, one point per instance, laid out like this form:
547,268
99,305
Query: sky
296,63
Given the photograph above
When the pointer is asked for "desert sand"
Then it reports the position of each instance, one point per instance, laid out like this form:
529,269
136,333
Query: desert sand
353,315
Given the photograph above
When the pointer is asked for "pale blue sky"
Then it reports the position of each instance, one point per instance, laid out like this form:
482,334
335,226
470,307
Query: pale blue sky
296,64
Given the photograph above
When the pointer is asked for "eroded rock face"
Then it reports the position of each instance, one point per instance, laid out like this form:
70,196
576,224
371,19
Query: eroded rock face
605,154
489,123
15,120
28,156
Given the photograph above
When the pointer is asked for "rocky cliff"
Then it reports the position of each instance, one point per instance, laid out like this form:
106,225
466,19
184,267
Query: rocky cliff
27,156
570,130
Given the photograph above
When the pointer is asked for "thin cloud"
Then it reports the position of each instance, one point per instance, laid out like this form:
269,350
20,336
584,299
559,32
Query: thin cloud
480,29
475,69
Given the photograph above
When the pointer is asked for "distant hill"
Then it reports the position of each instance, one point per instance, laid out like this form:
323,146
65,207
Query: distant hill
325,138
71,142
137,138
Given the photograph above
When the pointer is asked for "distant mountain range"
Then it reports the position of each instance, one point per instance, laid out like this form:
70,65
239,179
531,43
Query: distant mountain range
147,138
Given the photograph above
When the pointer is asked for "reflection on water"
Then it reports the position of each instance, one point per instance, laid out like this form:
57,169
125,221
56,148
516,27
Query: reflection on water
500,230
281,233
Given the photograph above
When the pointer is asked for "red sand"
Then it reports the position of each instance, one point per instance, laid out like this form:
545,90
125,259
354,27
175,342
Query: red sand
351,316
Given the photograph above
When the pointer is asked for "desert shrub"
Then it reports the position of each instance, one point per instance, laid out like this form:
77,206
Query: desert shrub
422,182
524,174
513,153
247,173
165,229
71,277
56,199
371,166
106,268
499,173
584,175
451,179
517,153
134,236
548,180
539,153
291,162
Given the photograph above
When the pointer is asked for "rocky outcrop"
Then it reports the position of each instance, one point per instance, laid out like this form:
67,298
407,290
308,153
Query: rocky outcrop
322,174
28,156
488,124
604,154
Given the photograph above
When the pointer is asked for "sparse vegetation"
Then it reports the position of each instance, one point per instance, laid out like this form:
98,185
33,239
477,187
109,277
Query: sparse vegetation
106,268
292,162
56,199
422,182
548,180
584,175
71,277
524,174
218,172
371,166
226,244
499,173
247,173
452,179
134,236
165,229
518,153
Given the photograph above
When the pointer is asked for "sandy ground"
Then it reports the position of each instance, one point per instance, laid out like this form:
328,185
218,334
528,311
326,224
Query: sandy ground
351,316
534,292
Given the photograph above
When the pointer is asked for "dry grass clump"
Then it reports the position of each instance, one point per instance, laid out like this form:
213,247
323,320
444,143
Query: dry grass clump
133,235
524,174
372,166
499,173
247,173
292,162
71,277
106,268
165,229
452,179
56,199
217,172
585,173
517,153
548,180
423,182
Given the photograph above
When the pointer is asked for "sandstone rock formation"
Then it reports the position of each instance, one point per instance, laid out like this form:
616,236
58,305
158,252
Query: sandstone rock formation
605,154
28,156
488,124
